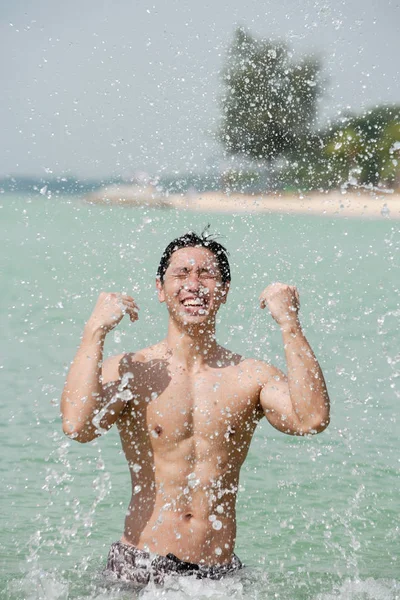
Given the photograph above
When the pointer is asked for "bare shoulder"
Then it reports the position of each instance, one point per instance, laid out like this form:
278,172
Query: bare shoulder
260,371
142,356
243,366
110,368
116,366
271,389
225,358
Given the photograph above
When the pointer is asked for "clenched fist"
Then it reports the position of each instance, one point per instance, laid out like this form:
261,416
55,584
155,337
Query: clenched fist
109,310
283,302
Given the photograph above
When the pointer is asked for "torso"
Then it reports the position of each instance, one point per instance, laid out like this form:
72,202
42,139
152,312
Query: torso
185,436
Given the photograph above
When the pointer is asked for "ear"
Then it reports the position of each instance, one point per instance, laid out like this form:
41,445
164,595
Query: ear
224,292
160,290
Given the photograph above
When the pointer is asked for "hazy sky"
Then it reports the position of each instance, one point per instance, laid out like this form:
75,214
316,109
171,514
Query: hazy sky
98,88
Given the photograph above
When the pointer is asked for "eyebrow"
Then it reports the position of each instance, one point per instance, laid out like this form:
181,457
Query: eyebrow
210,268
177,269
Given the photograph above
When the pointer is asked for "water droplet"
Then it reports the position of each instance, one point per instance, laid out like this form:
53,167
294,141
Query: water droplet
192,483
125,380
125,395
217,525
137,489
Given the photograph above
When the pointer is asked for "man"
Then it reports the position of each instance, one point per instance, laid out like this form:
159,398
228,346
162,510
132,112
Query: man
186,409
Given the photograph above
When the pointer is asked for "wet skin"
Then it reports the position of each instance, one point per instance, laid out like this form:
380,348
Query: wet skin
185,437
186,410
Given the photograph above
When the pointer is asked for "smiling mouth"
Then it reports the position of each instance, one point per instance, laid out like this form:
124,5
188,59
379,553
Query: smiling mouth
195,305
193,302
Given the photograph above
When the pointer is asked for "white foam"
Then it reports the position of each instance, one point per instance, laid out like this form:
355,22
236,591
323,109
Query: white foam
368,589
190,588
249,584
38,585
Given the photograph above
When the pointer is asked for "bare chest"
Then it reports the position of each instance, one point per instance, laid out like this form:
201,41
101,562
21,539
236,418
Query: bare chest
218,407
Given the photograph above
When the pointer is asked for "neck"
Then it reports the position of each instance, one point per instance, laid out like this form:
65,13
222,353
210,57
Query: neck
192,345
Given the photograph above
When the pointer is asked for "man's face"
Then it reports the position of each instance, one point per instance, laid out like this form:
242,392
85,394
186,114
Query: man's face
192,287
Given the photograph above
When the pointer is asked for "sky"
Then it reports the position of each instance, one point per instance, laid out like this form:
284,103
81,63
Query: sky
98,88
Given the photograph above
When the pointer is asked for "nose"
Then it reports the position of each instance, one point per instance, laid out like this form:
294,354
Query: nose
193,282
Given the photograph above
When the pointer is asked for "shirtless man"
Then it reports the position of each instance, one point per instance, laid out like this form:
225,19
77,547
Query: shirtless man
186,409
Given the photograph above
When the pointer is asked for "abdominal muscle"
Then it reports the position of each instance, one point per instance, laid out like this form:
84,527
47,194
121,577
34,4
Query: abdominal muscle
188,510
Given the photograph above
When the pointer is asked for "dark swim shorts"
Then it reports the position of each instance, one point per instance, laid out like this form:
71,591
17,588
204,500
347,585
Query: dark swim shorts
129,564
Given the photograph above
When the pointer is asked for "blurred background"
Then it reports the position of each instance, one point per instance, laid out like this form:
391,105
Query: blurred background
226,95
281,97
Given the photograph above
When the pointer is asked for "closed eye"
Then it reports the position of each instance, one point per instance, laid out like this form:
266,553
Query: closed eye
182,273
208,274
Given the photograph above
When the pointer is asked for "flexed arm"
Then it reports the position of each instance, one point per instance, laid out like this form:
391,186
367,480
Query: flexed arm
84,396
299,403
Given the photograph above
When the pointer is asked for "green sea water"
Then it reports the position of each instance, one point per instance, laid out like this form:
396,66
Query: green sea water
318,518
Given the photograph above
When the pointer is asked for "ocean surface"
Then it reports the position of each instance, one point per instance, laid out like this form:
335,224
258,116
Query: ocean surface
318,518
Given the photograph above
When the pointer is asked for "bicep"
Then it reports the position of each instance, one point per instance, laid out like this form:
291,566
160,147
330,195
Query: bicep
276,403
111,405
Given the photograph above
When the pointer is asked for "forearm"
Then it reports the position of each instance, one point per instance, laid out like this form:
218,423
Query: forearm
82,394
306,382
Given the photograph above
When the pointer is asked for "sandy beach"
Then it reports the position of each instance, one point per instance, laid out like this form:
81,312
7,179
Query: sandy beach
334,203
365,204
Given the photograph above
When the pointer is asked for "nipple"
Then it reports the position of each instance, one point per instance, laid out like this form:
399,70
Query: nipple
157,430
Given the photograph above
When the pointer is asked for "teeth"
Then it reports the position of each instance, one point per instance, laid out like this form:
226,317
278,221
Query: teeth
196,302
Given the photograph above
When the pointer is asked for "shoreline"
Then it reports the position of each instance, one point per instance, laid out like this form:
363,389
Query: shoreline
362,204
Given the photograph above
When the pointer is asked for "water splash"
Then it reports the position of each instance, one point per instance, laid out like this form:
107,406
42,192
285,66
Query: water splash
369,589
388,326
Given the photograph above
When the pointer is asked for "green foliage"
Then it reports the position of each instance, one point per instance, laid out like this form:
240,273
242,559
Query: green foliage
366,145
268,112
357,151
270,102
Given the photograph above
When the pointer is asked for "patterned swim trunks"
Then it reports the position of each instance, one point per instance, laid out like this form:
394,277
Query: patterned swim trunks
129,564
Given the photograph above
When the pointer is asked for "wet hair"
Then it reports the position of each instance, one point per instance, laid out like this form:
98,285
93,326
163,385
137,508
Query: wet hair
193,240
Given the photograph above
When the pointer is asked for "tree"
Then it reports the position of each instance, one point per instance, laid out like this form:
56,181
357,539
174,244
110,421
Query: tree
389,154
366,143
270,102
343,150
